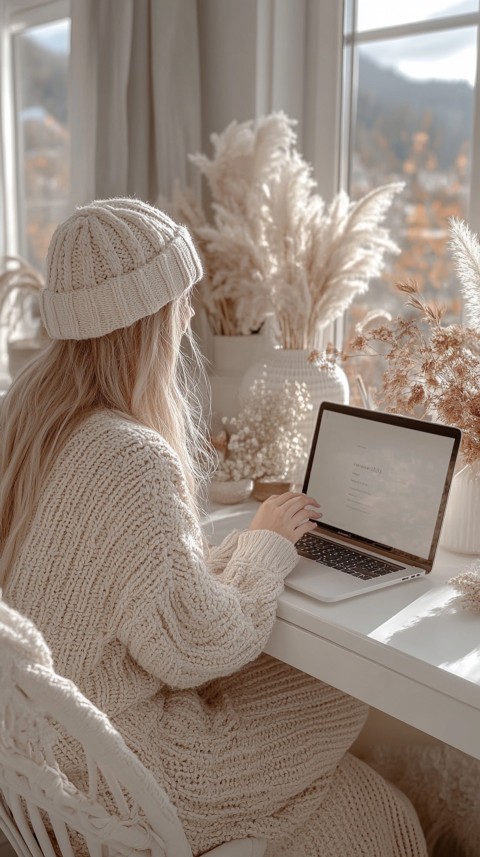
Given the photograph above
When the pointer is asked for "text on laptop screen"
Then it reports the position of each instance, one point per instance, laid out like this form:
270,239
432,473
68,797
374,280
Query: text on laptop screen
380,481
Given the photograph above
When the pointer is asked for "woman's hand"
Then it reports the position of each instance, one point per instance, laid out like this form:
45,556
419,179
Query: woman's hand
288,515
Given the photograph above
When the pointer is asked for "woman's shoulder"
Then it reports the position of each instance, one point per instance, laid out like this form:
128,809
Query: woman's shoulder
118,431
107,439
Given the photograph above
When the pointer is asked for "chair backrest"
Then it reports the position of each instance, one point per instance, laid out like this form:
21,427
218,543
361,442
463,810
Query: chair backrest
121,811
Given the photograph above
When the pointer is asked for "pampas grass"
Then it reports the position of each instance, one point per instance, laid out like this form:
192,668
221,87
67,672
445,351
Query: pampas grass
271,243
465,250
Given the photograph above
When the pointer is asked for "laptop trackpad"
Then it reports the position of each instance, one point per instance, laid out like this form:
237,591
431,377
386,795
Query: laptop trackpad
330,584
322,582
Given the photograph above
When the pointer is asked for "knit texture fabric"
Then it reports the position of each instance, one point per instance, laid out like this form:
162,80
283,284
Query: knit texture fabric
36,703
168,642
443,785
112,263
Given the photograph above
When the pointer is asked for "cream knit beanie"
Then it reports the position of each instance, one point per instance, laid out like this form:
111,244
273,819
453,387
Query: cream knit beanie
111,263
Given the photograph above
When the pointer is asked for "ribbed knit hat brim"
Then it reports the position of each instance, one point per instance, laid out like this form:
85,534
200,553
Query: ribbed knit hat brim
160,260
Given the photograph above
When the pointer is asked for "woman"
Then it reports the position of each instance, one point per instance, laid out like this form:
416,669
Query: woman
101,459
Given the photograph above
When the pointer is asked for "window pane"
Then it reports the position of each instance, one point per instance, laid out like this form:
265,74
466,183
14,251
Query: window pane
447,55
373,15
419,131
41,57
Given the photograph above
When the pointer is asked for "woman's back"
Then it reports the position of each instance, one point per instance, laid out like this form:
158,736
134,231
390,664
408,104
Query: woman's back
112,571
86,542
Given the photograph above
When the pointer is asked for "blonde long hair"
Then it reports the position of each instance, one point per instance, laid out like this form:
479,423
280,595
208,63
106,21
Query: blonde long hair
138,371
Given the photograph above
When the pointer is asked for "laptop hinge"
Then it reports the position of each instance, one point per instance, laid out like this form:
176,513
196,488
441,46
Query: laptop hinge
395,556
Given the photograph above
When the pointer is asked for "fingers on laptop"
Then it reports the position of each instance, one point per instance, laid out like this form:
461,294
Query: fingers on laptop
301,504
292,498
288,514
299,509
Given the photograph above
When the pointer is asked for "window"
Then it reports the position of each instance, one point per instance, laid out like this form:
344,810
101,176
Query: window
35,56
409,114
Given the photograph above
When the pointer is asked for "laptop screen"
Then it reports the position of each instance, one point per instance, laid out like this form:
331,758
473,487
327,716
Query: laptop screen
381,477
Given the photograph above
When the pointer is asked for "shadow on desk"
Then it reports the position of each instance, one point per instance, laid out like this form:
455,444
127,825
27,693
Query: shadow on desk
436,623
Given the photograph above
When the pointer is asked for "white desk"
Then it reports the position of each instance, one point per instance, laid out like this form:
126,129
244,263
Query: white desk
408,650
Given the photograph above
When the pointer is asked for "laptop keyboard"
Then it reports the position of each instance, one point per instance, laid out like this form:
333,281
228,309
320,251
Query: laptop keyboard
353,562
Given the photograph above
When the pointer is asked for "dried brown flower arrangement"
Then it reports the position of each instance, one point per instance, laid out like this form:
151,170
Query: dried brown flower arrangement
271,244
433,370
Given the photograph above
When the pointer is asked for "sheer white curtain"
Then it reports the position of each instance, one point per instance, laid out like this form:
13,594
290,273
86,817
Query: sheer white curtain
135,97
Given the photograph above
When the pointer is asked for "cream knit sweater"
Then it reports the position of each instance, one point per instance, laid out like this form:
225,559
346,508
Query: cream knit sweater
168,643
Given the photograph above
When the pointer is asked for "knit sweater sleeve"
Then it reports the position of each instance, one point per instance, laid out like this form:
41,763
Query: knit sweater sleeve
179,621
217,556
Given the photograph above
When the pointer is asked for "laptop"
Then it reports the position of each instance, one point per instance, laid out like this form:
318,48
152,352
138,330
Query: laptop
382,482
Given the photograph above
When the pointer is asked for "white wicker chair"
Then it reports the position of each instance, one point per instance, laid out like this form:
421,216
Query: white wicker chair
42,813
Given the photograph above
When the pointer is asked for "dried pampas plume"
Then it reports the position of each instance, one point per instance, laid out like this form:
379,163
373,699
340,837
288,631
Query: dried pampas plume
465,250
270,243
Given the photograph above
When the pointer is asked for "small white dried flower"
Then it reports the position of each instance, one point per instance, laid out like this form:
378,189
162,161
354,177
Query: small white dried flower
265,439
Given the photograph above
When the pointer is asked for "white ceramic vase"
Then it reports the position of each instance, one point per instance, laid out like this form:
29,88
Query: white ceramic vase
461,525
325,380
232,356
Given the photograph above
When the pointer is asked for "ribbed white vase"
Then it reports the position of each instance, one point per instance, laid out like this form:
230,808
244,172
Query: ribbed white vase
461,525
325,380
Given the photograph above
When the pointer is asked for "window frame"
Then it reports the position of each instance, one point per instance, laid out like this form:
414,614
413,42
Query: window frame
15,17
352,39
330,116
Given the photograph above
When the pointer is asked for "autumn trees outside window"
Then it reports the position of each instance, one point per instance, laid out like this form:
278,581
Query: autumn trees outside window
410,88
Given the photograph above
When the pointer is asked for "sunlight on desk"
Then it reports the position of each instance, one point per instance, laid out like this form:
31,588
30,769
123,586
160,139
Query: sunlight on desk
427,605
467,667
436,625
